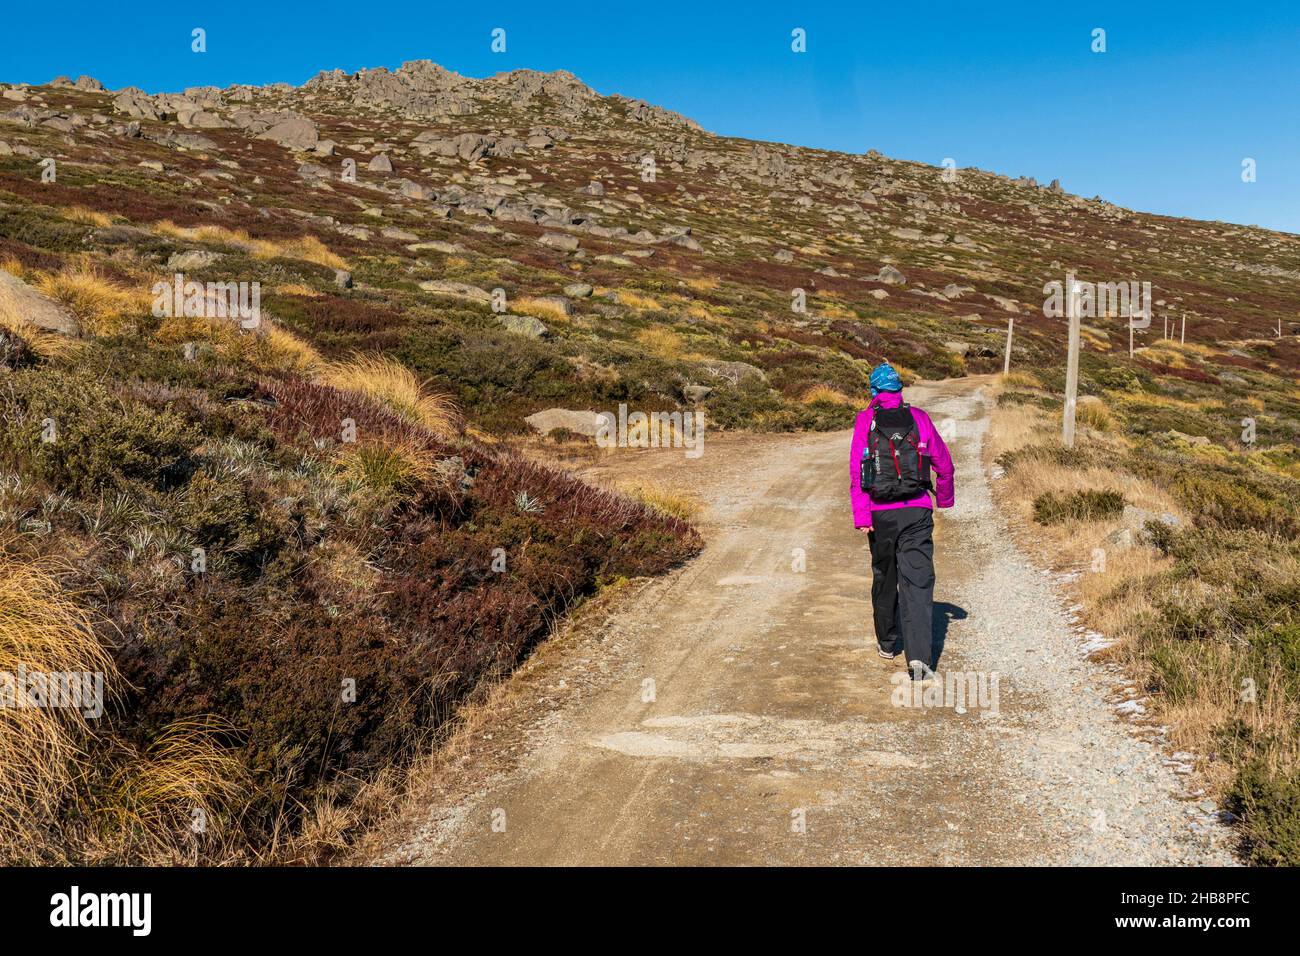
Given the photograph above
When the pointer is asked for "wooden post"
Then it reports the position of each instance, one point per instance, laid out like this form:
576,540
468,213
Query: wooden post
1183,339
1071,368
1130,336
1006,362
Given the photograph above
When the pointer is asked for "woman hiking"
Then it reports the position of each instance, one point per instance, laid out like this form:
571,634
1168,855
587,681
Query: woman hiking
895,451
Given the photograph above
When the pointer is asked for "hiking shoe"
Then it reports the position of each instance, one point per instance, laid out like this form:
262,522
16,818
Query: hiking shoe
920,671
887,655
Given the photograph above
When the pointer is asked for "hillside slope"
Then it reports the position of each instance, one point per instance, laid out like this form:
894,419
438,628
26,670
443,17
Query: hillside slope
694,244
297,539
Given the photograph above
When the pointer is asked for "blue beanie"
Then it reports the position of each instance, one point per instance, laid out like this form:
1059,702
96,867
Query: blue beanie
885,379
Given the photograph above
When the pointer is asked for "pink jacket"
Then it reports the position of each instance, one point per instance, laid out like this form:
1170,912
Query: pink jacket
940,462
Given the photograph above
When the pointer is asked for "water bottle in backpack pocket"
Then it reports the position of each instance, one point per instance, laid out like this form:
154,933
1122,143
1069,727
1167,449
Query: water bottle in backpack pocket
895,466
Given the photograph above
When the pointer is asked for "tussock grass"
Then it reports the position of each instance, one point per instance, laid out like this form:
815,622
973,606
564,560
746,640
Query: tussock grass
182,793
1088,504
390,383
539,309
269,348
661,342
43,750
824,393
100,307
634,300
1018,380
307,248
397,468
89,217
298,288
698,310
1093,413
668,500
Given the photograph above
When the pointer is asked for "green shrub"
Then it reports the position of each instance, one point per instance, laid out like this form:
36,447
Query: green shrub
1268,801
1053,453
79,435
1088,505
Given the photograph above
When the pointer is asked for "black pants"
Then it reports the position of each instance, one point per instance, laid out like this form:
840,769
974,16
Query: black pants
902,580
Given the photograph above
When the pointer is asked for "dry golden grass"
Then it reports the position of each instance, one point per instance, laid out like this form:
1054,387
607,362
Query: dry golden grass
89,217
539,309
661,342
278,348
835,310
43,343
702,284
269,348
183,790
43,750
1019,380
297,288
634,300
1093,413
306,248
668,500
100,307
393,385
697,310
1120,589
824,393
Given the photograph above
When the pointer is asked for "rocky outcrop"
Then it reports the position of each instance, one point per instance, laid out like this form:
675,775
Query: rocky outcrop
24,303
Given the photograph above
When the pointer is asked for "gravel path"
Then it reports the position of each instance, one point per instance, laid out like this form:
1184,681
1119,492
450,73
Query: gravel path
1103,782
736,711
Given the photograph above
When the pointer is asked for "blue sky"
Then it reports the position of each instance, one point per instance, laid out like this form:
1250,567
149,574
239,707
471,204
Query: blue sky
1159,122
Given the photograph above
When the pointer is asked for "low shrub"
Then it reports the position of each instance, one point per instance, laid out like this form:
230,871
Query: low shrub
81,436
1088,505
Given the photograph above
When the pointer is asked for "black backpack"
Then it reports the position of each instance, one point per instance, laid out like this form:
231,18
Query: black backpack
894,466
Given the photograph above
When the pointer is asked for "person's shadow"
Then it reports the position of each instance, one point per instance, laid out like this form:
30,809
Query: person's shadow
944,614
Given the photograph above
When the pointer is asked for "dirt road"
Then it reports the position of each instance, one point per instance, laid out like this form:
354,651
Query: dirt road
736,712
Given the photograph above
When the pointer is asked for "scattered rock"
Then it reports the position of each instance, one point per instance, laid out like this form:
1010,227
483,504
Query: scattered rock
458,290
525,325
735,372
1198,440
416,191
193,259
580,423
558,240
447,248
37,309
558,301
294,132
890,276
380,164
578,290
